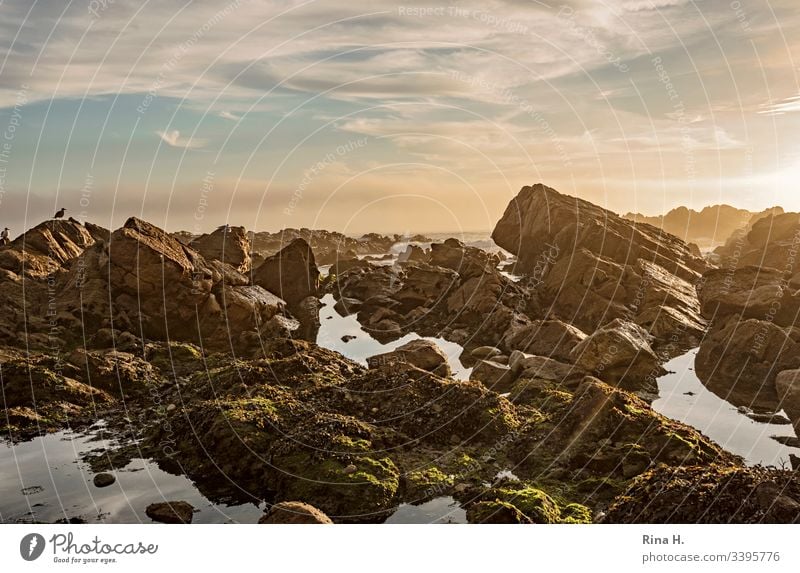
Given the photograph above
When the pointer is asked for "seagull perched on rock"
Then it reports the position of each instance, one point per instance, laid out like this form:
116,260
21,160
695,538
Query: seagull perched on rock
59,213
4,236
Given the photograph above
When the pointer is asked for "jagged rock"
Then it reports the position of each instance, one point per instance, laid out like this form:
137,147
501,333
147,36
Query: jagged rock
540,218
170,512
620,353
280,326
294,512
412,254
468,262
291,274
423,354
144,280
227,244
592,266
47,246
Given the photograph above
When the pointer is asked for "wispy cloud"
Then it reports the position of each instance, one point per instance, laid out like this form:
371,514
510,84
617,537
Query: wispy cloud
228,115
173,139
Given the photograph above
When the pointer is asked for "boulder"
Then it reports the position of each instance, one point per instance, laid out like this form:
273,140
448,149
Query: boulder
423,354
787,385
739,360
346,306
412,254
291,274
170,512
227,244
620,353
103,480
294,512
495,376
485,352
752,292
553,338
424,285
468,262
541,367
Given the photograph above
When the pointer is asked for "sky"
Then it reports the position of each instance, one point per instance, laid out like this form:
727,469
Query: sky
390,117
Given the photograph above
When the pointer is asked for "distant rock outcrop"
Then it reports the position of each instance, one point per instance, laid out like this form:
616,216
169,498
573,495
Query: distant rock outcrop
708,227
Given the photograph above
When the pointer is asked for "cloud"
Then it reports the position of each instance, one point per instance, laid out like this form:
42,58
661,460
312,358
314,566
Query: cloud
173,139
225,114
788,105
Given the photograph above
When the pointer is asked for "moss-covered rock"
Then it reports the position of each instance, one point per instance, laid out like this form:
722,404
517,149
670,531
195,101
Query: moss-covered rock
497,512
40,396
709,494
533,504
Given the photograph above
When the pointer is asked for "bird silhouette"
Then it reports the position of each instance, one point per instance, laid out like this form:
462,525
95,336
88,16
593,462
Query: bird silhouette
59,213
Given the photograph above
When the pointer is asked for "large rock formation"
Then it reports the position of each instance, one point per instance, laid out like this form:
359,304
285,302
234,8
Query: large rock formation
44,248
145,281
591,266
